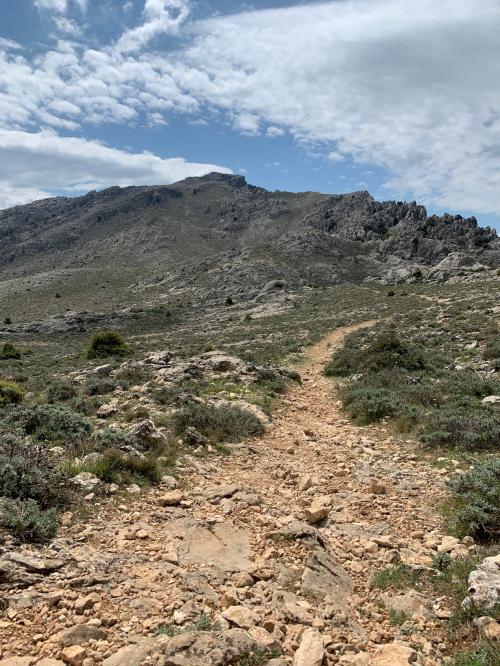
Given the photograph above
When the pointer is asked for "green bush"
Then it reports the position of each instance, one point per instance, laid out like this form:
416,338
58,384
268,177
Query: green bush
454,428
30,472
117,467
114,438
491,351
27,522
367,405
100,386
385,352
9,351
60,391
107,343
475,502
10,393
218,424
53,423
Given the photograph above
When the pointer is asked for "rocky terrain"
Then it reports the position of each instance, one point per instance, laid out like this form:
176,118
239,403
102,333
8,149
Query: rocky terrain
267,556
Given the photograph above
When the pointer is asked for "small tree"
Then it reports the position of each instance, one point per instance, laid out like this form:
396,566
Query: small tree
107,343
8,351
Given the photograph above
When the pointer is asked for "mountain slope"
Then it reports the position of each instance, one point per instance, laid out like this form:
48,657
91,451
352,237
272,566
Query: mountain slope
218,236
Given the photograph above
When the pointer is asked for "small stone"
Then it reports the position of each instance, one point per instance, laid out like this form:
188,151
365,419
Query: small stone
318,510
74,655
172,498
241,616
84,603
376,487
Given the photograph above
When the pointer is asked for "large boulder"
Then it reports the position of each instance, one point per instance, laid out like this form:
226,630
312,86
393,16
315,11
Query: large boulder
484,584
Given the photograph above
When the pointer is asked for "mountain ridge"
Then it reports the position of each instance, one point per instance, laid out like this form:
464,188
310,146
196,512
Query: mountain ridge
218,236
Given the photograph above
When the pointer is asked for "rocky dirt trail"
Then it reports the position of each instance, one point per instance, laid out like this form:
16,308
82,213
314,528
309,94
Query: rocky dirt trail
263,556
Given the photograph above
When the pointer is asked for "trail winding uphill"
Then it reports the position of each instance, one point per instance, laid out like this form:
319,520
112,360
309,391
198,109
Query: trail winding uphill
271,548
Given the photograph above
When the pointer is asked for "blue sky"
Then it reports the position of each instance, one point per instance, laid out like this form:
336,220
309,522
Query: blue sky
394,96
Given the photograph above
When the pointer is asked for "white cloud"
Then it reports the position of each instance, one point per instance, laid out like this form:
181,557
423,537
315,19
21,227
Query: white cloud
273,131
67,26
160,17
335,156
59,6
34,164
411,87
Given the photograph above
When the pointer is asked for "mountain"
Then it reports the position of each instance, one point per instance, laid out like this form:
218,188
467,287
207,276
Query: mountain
217,236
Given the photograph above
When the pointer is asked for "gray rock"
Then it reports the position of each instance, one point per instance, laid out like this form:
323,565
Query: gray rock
79,634
323,577
147,434
484,584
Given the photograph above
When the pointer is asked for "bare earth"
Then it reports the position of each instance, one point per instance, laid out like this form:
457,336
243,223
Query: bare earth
236,536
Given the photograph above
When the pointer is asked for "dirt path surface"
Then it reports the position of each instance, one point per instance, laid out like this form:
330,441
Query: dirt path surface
271,548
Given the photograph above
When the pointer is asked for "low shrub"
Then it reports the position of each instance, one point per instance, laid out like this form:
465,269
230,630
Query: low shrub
10,393
107,343
454,428
26,521
9,351
60,391
31,472
101,386
117,467
271,381
480,655
475,502
218,424
114,438
386,351
367,405
491,351
53,423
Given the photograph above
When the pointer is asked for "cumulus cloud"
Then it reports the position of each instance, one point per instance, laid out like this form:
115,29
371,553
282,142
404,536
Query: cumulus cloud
33,164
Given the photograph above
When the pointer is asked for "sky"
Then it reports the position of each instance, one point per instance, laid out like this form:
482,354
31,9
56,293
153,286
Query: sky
397,97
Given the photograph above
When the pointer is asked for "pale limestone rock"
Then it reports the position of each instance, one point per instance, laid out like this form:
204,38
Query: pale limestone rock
241,616
318,510
393,654
74,655
484,584
172,498
311,650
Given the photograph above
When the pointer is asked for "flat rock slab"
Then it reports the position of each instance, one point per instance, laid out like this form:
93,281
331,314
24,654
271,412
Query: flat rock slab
224,547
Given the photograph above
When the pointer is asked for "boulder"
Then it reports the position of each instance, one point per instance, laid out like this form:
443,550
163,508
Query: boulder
324,577
86,481
79,634
160,358
241,616
484,584
147,434
393,654
311,650
133,655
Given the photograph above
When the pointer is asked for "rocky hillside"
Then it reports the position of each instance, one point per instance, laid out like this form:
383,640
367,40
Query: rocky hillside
218,236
